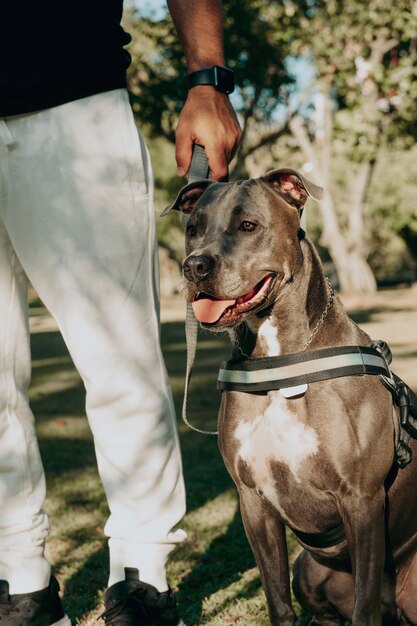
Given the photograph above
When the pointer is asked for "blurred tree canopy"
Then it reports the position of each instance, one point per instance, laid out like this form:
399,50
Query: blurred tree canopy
365,93
255,48
350,100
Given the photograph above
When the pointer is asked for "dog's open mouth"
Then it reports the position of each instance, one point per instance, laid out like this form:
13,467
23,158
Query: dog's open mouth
211,310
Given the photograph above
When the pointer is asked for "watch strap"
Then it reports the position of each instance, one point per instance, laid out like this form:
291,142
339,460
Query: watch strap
221,78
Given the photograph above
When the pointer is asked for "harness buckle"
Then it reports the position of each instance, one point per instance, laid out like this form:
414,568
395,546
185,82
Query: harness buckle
408,422
403,455
384,349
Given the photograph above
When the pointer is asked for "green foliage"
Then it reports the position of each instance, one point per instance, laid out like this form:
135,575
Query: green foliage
390,215
363,53
156,76
366,54
255,47
393,214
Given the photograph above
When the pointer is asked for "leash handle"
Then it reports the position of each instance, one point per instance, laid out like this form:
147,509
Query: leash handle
199,167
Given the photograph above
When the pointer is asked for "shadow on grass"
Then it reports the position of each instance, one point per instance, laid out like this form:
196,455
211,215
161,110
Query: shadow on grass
222,564
83,589
56,388
364,316
64,455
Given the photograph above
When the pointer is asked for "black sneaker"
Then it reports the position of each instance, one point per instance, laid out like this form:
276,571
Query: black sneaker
40,608
134,603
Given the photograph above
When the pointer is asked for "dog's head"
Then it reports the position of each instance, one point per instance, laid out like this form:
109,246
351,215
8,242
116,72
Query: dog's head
242,243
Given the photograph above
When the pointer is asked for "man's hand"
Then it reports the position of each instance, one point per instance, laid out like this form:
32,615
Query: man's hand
207,117
209,120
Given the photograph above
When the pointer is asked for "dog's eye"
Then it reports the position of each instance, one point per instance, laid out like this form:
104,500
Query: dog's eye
247,226
191,230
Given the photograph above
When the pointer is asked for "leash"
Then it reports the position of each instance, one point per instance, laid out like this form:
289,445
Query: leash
199,170
199,167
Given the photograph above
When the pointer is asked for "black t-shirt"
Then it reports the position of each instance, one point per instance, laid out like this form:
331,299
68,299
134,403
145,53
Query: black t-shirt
56,51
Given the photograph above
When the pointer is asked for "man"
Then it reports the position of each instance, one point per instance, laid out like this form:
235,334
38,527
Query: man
76,219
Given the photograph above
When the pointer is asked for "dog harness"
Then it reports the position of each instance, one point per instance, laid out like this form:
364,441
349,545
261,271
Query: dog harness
260,375
272,373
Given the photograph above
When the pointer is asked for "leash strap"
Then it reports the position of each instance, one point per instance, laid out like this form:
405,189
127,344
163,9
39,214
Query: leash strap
199,169
191,329
270,373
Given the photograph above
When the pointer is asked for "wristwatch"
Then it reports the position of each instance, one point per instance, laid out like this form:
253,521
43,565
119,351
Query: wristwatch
221,78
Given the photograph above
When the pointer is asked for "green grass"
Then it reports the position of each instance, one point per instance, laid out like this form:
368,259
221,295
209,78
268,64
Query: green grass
214,571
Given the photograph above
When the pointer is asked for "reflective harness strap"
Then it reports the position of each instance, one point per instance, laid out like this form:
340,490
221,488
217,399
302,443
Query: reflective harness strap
266,374
406,400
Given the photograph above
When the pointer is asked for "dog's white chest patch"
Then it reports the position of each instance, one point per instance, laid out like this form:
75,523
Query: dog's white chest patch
275,435
269,337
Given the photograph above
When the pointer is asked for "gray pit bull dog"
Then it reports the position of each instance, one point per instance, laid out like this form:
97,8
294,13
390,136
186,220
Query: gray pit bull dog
318,460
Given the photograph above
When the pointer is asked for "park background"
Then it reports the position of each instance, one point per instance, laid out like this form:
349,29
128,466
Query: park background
328,87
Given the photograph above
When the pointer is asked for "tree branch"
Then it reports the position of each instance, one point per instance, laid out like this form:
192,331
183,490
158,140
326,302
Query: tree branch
296,125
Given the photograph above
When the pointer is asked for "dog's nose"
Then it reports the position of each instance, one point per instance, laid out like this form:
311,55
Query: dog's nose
196,267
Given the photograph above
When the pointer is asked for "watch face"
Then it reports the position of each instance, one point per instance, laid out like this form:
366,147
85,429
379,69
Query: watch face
224,79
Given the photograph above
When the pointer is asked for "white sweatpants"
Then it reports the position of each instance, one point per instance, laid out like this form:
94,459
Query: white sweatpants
77,219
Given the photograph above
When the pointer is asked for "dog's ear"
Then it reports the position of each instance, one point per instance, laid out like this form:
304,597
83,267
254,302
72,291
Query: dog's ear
293,186
188,197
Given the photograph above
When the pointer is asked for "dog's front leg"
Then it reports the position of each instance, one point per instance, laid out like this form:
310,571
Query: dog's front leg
364,526
266,535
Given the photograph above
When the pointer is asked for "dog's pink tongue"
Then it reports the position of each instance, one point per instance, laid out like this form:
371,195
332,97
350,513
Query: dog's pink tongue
209,311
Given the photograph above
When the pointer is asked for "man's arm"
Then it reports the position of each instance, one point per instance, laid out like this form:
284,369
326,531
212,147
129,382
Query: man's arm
207,117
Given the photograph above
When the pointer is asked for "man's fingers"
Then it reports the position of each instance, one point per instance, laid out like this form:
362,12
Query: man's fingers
208,119
183,153
218,161
217,158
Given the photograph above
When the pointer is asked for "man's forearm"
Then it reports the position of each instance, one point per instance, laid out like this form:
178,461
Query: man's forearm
199,25
207,117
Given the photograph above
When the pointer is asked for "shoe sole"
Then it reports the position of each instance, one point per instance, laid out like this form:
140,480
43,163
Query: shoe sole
65,621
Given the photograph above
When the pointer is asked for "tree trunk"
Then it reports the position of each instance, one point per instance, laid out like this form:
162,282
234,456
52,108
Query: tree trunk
354,273
356,244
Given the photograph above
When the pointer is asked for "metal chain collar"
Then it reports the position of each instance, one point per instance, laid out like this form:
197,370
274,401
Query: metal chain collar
323,316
